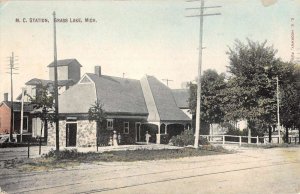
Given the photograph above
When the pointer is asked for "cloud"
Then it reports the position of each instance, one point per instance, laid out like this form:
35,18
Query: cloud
267,3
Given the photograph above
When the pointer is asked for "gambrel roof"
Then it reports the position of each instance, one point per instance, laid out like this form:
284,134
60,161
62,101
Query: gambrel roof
123,96
120,95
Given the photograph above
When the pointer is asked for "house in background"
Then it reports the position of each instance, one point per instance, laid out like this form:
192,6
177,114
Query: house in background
132,107
68,71
68,74
5,116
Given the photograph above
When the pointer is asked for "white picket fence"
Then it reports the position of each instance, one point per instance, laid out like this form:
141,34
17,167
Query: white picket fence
233,139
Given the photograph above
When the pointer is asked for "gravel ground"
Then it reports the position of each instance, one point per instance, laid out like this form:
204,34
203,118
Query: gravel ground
250,170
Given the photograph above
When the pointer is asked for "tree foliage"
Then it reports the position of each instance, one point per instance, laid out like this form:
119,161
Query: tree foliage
250,92
290,95
251,89
97,113
212,84
43,103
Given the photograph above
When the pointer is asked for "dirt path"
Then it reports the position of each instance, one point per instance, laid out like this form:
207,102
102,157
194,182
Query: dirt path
251,171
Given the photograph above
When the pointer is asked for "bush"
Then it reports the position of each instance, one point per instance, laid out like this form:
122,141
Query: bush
164,138
184,139
65,154
203,141
104,137
126,139
187,138
231,130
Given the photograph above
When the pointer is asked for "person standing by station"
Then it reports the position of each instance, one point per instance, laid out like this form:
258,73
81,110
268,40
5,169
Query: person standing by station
147,137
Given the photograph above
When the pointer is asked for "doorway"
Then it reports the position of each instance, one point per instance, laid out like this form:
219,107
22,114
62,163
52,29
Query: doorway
138,131
71,134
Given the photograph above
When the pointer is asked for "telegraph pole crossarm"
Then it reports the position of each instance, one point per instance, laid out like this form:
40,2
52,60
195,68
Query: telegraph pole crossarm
203,7
209,14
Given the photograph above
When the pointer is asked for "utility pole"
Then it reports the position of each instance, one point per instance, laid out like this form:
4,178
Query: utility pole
55,86
12,68
22,112
278,118
167,81
197,130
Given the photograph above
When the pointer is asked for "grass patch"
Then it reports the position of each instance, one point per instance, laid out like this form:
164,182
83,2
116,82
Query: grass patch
43,164
70,158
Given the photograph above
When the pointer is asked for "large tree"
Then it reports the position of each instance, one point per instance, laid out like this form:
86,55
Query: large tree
249,95
251,89
289,96
43,105
212,84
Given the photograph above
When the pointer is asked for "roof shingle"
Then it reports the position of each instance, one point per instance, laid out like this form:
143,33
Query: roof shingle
65,62
165,102
120,95
36,81
17,106
181,97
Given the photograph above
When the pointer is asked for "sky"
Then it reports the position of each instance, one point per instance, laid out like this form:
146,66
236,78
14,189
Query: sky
139,37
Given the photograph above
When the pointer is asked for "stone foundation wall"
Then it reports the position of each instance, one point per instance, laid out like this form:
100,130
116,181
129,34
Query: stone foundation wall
52,133
86,134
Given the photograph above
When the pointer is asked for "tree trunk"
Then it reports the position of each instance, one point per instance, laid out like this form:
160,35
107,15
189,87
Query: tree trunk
40,143
249,131
299,135
287,135
270,134
97,134
46,130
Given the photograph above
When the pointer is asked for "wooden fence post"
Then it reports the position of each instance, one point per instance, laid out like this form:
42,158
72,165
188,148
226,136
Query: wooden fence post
223,139
40,146
256,140
240,139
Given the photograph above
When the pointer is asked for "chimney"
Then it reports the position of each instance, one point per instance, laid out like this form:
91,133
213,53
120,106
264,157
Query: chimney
98,70
5,96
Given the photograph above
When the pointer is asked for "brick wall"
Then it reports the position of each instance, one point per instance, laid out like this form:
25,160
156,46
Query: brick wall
4,119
